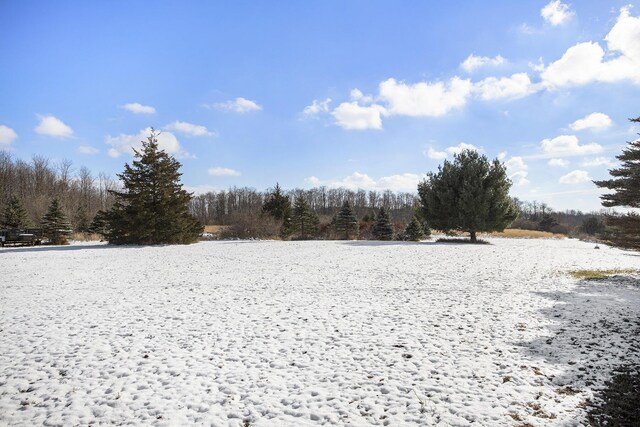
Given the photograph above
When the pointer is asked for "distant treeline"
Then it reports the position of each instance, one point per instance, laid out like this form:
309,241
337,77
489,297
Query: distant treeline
37,182
82,194
223,207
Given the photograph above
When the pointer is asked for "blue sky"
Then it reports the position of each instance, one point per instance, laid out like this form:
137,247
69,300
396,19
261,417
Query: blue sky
358,94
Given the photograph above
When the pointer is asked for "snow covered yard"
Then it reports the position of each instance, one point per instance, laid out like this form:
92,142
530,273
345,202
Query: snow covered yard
310,333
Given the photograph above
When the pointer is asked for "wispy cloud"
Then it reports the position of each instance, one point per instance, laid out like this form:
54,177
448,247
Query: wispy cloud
473,62
220,171
238,105
575,177
189,129
138,108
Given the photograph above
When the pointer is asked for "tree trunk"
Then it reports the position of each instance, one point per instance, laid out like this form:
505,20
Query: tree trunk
473,237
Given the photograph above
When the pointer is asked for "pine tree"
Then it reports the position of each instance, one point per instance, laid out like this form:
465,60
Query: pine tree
346,224
100,224
15,214
414,232
55,225
278,205
304,221
547,222
469,194
153,208
624,229
383,229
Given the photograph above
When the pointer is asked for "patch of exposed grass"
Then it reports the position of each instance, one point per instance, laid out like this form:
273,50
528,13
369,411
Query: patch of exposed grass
518,233
214,229
599,274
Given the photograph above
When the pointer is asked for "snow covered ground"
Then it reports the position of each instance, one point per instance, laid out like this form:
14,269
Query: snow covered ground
310,333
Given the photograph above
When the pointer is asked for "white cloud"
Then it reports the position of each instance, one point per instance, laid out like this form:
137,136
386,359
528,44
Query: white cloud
556,13
568,145
502,155
592,121
558,163
456,149
52,126
402,182
218,171
433,154
189,129
598,161
575,177
124,144
317,107
238,105
312,180
138,108
585,62
425,99
350,115
7,136
517,170
517,86
473,62
86,149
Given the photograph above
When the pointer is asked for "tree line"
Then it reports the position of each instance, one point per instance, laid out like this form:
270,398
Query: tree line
36,183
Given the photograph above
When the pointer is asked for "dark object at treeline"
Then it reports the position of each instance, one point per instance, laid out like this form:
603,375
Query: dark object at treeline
27,236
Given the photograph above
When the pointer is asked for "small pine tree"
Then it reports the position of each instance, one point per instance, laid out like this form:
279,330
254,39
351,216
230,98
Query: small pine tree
153,208
304,221
383,229
55,225
547,222
15,214
346,224
414,232
99,225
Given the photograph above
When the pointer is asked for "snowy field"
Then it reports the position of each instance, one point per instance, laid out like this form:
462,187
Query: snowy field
310,333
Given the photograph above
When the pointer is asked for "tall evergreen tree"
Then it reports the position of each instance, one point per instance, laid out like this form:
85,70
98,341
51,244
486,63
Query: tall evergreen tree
345,222
469,194
153,208
624,229
383,229
304,222
55,225
278,205
414,231
15,215
100,224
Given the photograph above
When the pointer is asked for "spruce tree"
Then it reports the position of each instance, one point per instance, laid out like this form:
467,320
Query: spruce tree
414,232
100,224
278,205
15,215
346,224
469,194
55,225
304,221
624,230
547,222
153,208
383,229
